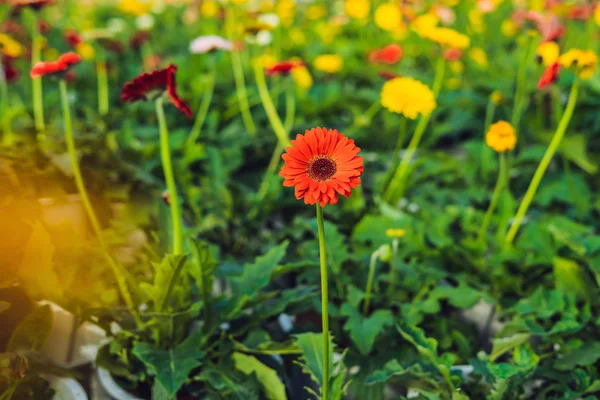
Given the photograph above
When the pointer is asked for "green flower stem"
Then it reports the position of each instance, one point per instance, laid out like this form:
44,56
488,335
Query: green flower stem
38,105
400,141
165,154
392,280
263,91
324,302
520,86
485,151
495,196
102,76
541,169
240,83
372,265
205,103
121,281
290,113
396,187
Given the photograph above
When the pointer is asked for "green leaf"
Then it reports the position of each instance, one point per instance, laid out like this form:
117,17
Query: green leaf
257,275
204,263
504,370
171,367
503,345
586,354
36,270
33,331
390,369
525,357
312,348
569,277
336,248
272,385
574,149
372,228
412,377
363,331
166,275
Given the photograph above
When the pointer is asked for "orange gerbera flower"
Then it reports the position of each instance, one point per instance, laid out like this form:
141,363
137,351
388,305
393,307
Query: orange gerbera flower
321,164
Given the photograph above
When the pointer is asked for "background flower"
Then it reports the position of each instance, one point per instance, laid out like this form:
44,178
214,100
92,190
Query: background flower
408,97
329,63
501,137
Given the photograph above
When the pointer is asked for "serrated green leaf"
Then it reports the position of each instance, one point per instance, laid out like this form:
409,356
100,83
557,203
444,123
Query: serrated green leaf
584,355
313,351
171,367
364,331
272,385
574,149
257,275
503,345
166,275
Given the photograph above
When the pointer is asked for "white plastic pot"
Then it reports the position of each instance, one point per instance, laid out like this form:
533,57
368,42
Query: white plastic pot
69,344
66,388
111,387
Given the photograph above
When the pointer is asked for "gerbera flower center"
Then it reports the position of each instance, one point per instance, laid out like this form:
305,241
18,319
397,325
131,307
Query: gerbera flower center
321,168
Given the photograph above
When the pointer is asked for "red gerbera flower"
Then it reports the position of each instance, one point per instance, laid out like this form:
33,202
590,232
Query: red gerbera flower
452,54
549,76
63,64
283,67
390,54
72,38
321,164
35,4
11,73
157,81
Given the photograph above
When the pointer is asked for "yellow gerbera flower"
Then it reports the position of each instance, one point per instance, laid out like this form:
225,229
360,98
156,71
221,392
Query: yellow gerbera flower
286,10
446,37
597,15
209,8
85,50
388,17
477,54
583,61
424,22
407,96
302,77
265,61
10,46
316,11
357,9
548,52
395,233
135,7
329,63
501,137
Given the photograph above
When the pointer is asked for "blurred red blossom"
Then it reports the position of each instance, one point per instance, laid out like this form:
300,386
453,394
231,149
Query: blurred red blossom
549,76
452,54
155,83
390,54
283,67
63,64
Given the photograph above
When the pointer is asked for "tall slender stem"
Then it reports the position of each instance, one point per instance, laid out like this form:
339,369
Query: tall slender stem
165,154
238,74
38,105
205,103
400,141
290,113
269,107
495,196
485,151
396,187
121,281
103,101
541,169
370,279
324,302
392,279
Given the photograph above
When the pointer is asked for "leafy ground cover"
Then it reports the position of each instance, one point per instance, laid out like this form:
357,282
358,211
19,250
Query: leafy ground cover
436,239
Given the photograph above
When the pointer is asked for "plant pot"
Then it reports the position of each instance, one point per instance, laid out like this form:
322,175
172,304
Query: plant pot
111,387
71,344
66,388
480,315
